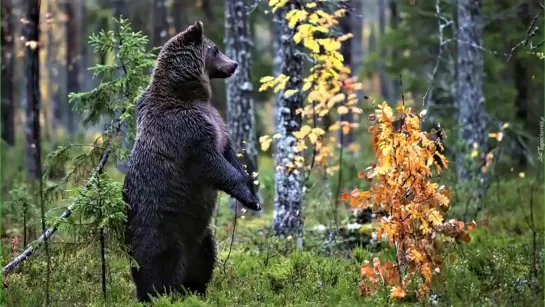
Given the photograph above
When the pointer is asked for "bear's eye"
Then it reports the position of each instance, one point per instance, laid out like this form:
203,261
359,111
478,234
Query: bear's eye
216,50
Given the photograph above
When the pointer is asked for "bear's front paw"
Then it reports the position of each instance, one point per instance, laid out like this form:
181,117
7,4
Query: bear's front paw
253,204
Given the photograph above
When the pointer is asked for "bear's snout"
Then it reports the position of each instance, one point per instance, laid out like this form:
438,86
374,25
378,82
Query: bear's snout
234,66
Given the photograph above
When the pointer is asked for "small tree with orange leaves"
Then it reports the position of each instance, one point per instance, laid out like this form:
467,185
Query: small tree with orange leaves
410,207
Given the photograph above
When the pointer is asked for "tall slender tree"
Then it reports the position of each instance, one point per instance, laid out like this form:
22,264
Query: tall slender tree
31,34
72,59
356,25
470,97
55,35
394,22
288,194
384,84
32,77
8,57
346,50
240,104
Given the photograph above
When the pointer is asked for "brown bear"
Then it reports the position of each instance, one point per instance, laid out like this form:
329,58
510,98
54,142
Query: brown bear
181,157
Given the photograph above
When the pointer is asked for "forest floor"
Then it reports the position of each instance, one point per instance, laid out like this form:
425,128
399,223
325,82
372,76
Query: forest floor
501,266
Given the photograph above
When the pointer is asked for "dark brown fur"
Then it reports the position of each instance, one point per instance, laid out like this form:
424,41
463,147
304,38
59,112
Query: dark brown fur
181,158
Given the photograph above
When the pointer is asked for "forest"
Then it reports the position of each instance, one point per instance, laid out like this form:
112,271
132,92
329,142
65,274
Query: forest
395,146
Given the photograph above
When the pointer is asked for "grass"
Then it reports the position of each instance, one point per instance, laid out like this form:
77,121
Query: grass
501,266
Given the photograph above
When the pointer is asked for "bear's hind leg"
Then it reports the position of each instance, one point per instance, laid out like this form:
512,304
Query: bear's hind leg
201,266
157,275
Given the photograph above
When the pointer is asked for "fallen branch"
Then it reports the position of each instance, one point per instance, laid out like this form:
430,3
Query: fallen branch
51,230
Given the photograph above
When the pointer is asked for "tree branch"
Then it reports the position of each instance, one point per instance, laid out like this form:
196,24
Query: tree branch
67,212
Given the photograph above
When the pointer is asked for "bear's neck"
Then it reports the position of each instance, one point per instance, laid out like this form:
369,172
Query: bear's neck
196,89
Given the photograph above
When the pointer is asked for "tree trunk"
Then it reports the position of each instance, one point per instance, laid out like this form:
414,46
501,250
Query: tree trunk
72,61
470,97
346,51
394,22
356,25
240,105
160,25
8,57
32,70
179,14
288,194
277,63
384,83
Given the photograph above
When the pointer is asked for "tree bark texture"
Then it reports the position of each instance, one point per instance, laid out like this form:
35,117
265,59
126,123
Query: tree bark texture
240,104
72,61
356,25
384,83
31,32
288,197
470,100
346,51
53,67
8,57
394,22
277,62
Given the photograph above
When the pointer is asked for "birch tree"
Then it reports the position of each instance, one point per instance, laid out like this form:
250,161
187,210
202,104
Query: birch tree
240,104
288,194
470,97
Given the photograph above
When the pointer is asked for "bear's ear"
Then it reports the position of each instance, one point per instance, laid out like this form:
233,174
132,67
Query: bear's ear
194,32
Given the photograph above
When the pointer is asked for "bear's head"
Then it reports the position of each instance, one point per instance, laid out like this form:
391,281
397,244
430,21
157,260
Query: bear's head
190,56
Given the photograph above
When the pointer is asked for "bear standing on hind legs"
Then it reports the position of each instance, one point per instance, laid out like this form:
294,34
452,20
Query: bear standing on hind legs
182,156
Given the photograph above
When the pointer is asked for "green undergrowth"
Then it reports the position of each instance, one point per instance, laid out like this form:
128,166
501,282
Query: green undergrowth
494,269
501,266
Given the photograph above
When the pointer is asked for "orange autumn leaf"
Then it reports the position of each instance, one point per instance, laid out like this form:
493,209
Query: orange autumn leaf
397,292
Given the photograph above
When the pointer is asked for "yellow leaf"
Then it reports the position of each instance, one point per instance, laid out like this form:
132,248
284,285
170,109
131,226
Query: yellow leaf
342,110
334,127
311,5
32,44
474,153
266,79
265,142
307,86
522,175
435,217
318,131
289,93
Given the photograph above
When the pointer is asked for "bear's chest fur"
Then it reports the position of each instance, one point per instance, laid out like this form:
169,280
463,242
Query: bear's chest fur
215,121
